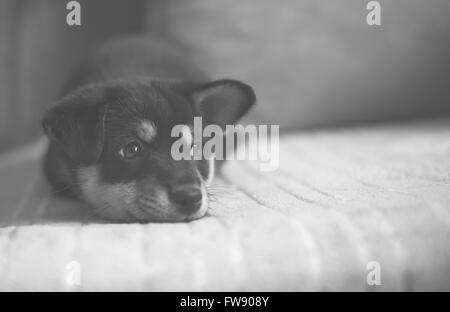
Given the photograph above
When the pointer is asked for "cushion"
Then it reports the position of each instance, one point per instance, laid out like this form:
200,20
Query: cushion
341,205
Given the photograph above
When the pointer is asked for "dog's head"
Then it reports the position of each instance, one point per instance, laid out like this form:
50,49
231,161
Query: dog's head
117,137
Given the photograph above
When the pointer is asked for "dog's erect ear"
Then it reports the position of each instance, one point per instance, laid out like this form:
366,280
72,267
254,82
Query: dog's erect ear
223,102
76,124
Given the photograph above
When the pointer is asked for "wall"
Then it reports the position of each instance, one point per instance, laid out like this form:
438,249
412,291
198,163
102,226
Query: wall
312,62
317,62
38,49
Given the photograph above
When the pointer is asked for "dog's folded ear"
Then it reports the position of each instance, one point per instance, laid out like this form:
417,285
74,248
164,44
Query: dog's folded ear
76,124
223,102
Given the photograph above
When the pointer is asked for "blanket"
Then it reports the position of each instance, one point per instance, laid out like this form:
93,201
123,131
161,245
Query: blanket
363,209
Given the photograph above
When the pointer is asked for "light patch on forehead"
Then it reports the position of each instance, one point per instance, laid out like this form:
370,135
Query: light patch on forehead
147,131
186,135
211,170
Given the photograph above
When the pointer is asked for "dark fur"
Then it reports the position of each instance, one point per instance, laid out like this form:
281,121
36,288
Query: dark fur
124,82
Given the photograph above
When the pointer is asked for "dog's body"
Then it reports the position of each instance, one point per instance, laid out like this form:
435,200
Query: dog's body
111,132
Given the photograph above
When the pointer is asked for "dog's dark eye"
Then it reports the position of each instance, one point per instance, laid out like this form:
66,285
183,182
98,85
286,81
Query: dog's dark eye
131,150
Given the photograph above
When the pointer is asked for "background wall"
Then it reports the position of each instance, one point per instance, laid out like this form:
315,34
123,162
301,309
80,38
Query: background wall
38,49
317,62
312,62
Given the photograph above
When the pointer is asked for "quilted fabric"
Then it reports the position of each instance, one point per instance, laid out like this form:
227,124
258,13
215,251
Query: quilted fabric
338,201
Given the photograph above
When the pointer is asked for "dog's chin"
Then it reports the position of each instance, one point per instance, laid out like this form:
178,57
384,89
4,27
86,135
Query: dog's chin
159,208
146,211
147,214
124,203
139,213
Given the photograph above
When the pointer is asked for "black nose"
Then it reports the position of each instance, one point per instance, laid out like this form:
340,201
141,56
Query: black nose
189,198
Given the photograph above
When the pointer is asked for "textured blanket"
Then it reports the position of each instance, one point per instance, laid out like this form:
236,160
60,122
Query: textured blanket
356,209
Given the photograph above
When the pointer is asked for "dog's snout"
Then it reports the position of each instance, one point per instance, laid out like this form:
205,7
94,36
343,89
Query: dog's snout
189,198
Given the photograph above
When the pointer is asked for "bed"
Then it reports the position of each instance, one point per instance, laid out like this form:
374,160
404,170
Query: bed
343,203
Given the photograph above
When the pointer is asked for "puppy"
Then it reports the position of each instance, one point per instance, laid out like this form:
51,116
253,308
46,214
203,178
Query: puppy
110,133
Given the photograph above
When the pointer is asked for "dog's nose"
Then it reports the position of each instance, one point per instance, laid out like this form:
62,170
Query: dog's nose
189,198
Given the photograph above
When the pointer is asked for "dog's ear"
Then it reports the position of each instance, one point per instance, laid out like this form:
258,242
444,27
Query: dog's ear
76,124
223,102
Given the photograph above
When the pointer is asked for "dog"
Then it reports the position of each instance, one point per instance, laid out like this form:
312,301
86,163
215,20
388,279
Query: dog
110,132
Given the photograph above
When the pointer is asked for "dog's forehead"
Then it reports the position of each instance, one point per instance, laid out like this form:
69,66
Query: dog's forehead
151,100
146,130
143,127
146,110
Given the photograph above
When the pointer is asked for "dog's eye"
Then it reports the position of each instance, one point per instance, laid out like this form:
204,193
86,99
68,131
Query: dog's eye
131,150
